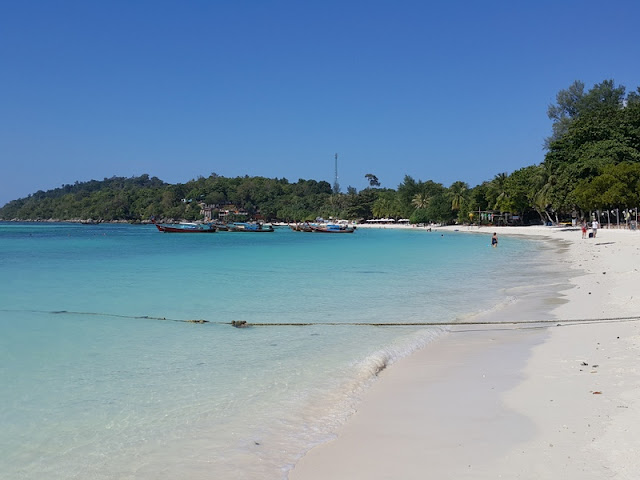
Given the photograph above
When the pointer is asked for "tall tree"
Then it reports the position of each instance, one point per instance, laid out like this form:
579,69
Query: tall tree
596,138
385,205
565,110
457,192
373,180
439,209
420,200
573,102
617,187
497,192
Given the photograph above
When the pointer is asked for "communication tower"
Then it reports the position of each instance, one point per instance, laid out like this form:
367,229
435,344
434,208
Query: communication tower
336,185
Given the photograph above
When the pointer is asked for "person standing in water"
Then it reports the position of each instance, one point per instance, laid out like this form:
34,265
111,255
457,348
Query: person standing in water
494,240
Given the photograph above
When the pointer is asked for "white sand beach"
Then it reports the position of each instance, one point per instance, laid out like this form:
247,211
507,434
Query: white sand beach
558,401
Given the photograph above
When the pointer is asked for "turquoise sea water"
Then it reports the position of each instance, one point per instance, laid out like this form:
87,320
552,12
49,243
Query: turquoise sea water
101,377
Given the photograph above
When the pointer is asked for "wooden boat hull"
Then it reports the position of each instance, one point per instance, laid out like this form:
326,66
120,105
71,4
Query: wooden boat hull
179,229
301,228
233,229
329,230
250,228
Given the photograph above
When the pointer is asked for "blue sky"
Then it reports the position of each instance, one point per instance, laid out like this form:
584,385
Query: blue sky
446,91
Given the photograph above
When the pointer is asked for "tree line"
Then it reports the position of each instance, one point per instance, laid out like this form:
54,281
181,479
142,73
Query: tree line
592,162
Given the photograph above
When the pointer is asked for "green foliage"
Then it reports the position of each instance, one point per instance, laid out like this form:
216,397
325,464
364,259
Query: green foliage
592,133
527,192
115,198
439,209
386,205
573,103
373,180
419,215
420,200
618,186
417,195
458,192
497,193
593,141
592,161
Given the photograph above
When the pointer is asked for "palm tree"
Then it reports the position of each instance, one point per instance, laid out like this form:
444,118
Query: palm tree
457,192
541,202
381,207
385,205
499,190
420,200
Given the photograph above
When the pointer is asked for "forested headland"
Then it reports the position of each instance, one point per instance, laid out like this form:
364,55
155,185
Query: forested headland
591,163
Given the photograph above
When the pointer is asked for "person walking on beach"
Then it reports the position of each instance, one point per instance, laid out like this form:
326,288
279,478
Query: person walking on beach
494,240
594,227
584,229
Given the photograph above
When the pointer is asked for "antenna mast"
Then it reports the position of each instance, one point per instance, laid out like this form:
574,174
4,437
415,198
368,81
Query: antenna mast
336,185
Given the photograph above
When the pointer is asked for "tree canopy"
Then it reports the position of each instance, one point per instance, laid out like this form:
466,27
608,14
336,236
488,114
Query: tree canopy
592,161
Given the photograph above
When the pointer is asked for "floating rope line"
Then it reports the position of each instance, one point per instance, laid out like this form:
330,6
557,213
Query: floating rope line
115,315
440,324
243,323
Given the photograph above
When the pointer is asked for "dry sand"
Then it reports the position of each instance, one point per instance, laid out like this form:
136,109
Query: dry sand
562,401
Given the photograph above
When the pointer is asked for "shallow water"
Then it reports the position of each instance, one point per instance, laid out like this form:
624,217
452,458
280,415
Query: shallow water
103,379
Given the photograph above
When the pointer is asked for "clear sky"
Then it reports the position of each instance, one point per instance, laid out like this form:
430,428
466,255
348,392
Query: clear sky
449,90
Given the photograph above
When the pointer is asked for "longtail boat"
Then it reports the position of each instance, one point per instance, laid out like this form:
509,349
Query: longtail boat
185,227
332,228
301,227
250,227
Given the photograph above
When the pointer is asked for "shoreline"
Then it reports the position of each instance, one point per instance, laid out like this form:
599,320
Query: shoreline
511,402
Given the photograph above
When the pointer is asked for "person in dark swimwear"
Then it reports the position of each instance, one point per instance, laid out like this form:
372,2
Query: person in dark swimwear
494,240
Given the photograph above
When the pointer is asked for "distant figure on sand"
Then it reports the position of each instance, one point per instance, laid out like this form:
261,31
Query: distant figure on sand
594,227
584,229
494,240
